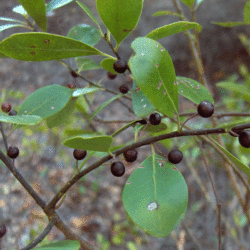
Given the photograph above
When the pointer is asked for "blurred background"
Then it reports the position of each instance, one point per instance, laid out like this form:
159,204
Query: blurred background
93,207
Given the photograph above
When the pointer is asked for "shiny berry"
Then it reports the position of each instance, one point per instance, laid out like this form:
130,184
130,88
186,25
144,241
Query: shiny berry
6,107
12,113
111,75
155,119
120,66
3,230
13,152
205,109
117,169
175,156
130,155
244,138
74,74
124,89
143,122
79,154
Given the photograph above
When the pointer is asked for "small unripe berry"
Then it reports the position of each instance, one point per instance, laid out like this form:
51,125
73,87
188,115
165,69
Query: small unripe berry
244,138
175,156
12,113
120,66
124,89
117,169
111,75
130,155
6,107
79,154
3,230
205,109
155,119
13,152
71,85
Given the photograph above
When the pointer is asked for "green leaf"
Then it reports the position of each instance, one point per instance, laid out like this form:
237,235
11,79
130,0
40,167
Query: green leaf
84,91
46,101
36,9
141,105
84,63
247,12
88,12
238,163
229,24
153,71
9,19
8,26
36,46
192,90
236,88
189,3
21,119
85,33
166,13
155,196
120,17
20,10
90,142
62,245
62,116
55,4
104,105
172,28
108,64
3,55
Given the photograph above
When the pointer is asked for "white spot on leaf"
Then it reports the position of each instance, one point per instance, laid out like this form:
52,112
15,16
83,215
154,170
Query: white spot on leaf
144,106
128,182
52,107
152,206
156,44
142,100
159,85
162,49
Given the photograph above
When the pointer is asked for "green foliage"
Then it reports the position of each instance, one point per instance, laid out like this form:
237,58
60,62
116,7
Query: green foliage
63,245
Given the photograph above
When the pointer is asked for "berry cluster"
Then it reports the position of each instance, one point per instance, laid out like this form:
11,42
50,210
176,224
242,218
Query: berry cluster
7,108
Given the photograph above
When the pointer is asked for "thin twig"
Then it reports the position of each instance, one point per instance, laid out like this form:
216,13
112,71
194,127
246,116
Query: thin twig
4,137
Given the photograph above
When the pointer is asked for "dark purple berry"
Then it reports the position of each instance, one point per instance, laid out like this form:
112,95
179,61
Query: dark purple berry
205,109
244,138
12,113
13,152
175,156
130,155
120,66
117,169
3,230
143,122
124,89
111,75
6,107
79,154
74,74
155,119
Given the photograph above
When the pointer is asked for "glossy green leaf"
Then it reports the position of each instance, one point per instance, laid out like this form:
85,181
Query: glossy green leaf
36,46
36,9
238,163
84,91
189,3
153,71
62,116
193,90
55,4
166,13
229,24
89,142
20,10
84,63
120,17
62,245
104,105
46,101
86,34
21,119
173,28
8,26
88,12
108,64
236,88
247,12
155,196
141,105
